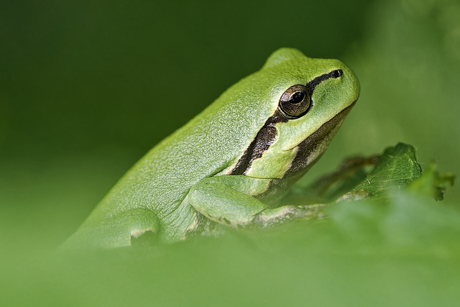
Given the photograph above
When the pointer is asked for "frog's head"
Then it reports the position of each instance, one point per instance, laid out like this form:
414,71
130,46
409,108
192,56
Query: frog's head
308,100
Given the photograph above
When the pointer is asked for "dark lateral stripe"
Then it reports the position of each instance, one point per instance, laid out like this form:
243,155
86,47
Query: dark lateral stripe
264,139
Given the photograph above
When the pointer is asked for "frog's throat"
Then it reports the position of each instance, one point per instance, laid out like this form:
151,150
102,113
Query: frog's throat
311,149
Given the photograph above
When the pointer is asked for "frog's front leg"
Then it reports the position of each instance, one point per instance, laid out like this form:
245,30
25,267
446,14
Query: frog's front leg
232,200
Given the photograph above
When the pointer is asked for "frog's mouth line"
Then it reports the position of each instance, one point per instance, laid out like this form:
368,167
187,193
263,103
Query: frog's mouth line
310,149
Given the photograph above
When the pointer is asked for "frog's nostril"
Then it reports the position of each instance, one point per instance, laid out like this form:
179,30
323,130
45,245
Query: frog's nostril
336,73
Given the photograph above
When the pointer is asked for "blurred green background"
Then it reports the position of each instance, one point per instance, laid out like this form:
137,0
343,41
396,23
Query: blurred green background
88,87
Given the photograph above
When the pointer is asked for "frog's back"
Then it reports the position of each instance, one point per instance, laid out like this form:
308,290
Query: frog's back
211,142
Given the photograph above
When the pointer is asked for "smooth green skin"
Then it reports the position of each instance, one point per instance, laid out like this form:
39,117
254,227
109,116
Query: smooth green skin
182,187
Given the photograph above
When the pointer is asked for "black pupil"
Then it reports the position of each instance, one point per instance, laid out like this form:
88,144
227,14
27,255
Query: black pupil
297,97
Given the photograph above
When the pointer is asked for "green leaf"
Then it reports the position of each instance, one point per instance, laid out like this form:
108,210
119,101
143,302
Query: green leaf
397,167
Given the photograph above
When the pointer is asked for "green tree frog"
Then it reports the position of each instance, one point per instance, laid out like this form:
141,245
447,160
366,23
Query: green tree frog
231,164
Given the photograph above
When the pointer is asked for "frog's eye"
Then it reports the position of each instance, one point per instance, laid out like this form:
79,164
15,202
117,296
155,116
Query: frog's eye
295,101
